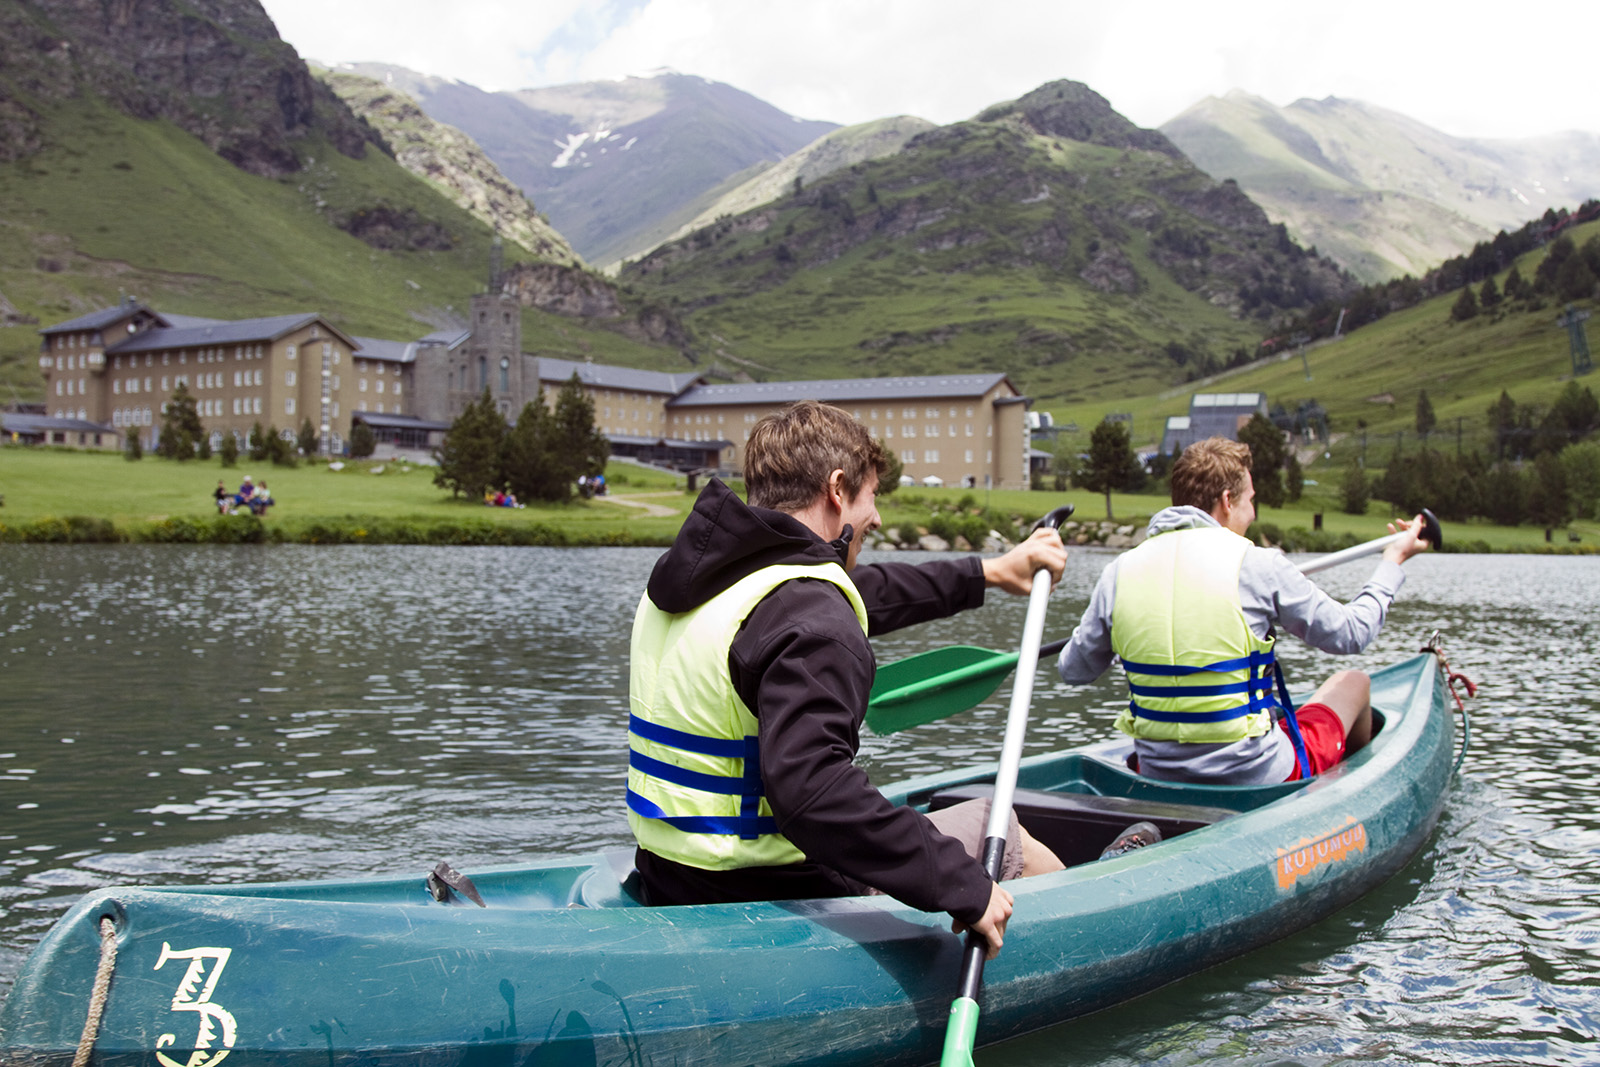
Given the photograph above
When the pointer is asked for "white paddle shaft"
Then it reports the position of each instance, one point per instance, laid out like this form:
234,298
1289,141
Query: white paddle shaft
1005,783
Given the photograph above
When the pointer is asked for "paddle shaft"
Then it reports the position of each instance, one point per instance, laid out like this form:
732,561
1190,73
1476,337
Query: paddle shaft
1430,533
960,1033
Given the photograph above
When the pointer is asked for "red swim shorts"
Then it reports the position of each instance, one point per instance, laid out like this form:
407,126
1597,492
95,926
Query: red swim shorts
1323,732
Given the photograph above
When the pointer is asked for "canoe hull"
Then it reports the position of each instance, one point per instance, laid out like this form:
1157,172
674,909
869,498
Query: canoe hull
563,968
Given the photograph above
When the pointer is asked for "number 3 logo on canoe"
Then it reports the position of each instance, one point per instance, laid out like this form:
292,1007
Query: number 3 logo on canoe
195,997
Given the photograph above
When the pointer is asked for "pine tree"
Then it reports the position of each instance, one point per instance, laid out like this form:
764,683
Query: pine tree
307,440
1425,417
257,444
1489,295
1266,459
469,459
229,450
1466,305
1354,491
532,469
363,442
1111,464
1294,478
579,448
181,431
133,448
891,477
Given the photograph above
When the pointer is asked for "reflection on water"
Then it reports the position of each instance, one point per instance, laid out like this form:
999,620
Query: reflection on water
241,713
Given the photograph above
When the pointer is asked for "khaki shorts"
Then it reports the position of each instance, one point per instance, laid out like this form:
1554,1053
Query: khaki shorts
968,823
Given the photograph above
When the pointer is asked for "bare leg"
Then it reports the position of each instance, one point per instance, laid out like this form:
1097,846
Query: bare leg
1349,694
1037,858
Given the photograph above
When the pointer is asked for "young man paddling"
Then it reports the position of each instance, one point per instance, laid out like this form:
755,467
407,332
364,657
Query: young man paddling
749,681
1192,611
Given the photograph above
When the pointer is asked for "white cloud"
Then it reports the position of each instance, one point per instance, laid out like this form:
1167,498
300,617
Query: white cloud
1502,71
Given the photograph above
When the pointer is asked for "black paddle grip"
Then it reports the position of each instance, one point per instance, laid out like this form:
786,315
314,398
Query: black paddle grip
1056,518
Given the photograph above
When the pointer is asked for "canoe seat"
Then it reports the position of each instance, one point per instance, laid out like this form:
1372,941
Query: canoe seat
1078,826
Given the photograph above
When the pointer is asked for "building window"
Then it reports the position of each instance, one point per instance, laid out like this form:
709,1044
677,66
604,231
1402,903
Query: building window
969,455
396,388
362,387
483,373
288,377
930,456
289,351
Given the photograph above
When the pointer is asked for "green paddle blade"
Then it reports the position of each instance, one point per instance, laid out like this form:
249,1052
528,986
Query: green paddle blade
935,685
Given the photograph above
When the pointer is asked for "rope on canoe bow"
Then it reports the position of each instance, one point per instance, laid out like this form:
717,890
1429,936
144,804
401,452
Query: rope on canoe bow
1436,646
102,988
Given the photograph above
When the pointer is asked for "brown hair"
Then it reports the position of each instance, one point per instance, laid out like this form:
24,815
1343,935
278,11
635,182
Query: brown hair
1207,469
792,452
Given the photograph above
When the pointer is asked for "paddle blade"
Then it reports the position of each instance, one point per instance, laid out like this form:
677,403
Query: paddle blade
934,685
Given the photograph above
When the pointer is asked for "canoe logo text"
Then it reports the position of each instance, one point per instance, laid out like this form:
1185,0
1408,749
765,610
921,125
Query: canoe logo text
1294,864
195,997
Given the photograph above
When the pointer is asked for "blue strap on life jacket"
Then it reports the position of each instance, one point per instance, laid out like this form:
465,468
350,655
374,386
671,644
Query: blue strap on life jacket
1293,723
749,824
1257,686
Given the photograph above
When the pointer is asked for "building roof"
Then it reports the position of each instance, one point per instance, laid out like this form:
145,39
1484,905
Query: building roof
388,351
608,377
448,338
1177,422
396,422
97,320
843,390
11,422
1235,401
218,332
665,442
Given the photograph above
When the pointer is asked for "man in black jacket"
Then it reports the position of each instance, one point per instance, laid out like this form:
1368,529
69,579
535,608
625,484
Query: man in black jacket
749,681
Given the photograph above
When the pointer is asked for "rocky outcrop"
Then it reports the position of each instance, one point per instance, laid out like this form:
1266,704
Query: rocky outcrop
215,68
578,294
453,163
1074,112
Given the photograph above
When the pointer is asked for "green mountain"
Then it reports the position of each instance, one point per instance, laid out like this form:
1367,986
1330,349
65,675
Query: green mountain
1380,193
1368,381
178,151
1049,238
616,165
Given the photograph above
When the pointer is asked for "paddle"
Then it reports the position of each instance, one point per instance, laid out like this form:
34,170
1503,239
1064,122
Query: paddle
962,1026
947,681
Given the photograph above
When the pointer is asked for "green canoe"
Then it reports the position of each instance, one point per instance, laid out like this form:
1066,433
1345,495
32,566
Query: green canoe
563,966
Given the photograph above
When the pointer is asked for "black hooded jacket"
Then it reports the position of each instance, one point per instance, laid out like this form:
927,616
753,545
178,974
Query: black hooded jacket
804,668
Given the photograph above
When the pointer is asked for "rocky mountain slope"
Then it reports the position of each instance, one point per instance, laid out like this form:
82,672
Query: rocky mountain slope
215,68
616,166
1381,193
1048,237
844,147
453,163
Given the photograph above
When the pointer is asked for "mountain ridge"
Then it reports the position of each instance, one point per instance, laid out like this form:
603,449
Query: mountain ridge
1382,193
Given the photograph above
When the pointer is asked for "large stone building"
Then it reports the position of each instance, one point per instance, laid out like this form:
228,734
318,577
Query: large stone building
118,366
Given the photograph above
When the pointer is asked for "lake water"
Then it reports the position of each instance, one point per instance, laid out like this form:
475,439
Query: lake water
196,714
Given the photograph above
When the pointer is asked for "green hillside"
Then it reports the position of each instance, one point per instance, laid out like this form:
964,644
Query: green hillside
116,205
1050,239
1373,376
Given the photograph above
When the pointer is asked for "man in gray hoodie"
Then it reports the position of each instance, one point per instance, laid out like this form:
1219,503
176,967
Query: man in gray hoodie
1192,612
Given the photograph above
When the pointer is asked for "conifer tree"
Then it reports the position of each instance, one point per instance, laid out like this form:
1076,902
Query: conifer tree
308,440
1426,420
469,459
580,449
1466,305
533,471
1111,464
1266,459
229,450
363,442
181,431
1354,491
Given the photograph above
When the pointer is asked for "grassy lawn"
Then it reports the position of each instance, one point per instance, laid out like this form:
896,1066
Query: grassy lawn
41,483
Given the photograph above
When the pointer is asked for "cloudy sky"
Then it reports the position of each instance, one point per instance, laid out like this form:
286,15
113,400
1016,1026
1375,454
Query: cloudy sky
1497,70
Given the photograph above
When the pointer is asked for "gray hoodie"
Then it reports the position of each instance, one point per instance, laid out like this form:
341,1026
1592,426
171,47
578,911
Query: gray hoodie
1272,592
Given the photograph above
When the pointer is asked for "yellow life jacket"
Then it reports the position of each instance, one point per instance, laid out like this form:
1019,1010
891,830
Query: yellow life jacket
694,760
1196,671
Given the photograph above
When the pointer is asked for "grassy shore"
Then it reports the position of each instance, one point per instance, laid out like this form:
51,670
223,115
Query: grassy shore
52,494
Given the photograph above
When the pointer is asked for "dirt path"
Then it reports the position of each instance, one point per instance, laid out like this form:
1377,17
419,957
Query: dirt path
655,511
